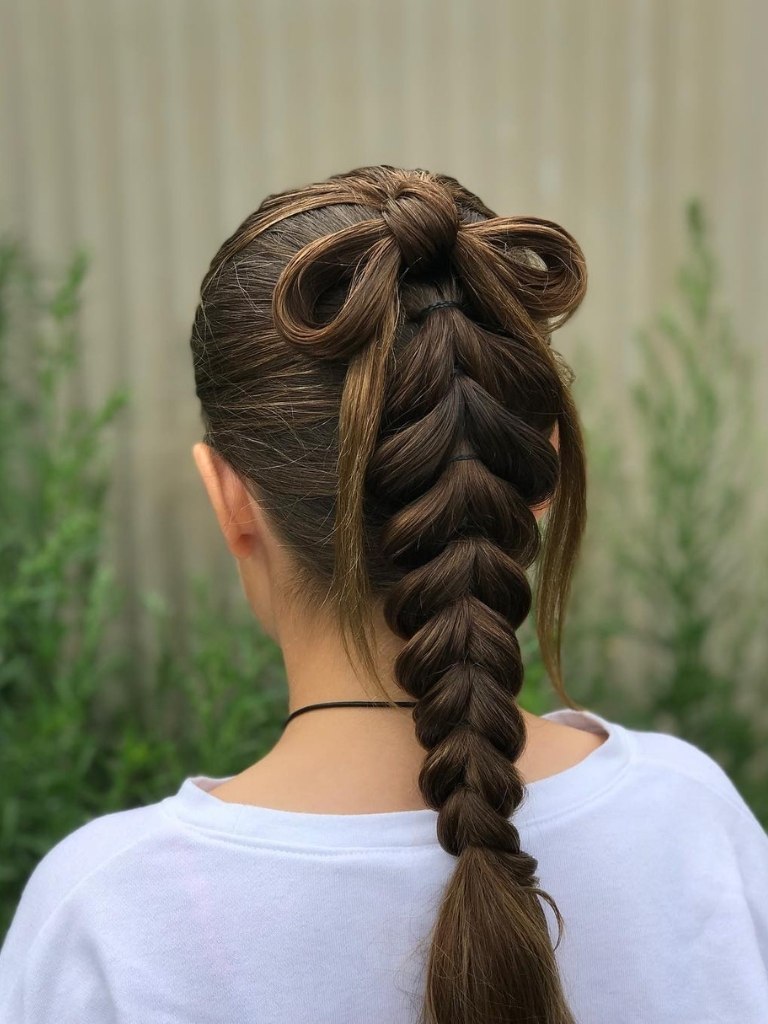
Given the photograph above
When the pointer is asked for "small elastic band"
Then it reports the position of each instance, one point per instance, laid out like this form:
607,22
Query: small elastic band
421,315
455,458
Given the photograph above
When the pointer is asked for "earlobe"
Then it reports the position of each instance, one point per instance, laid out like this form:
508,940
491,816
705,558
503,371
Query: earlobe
554,440
539,510
229,498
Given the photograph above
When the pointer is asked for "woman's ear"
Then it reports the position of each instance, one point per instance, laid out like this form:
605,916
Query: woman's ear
230,499
554,440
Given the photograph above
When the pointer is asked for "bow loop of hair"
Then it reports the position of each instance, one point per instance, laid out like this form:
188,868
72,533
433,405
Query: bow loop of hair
363,258
526,274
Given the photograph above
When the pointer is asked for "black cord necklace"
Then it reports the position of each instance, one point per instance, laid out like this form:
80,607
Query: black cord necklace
351,704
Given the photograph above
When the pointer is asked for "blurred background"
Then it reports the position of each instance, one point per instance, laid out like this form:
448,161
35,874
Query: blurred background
135,136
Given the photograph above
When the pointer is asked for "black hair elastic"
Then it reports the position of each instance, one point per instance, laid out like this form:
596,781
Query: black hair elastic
455,458
422,314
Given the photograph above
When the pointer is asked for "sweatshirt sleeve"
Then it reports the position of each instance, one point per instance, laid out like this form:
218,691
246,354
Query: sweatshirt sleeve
738,852
46,972
40,897
751,845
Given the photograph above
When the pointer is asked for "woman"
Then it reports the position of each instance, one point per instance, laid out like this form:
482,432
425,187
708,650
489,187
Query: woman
386,426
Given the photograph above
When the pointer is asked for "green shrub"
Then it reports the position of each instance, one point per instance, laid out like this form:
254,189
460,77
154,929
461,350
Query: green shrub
74,740
56,598
672,590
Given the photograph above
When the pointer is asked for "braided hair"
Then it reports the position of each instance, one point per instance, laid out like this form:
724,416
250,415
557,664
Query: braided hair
343,410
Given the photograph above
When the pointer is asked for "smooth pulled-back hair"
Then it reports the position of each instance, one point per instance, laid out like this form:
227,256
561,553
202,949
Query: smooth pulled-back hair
339,406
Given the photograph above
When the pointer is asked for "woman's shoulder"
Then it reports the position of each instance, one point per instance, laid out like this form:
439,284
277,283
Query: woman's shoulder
64,871
671,756
670,774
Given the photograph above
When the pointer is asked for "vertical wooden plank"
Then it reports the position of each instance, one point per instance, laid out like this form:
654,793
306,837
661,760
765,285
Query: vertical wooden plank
142,235
637,171
551,87
735,116
14,183
40,83
756,193
603,323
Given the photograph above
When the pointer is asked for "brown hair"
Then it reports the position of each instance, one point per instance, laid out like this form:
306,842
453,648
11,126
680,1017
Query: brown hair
340,408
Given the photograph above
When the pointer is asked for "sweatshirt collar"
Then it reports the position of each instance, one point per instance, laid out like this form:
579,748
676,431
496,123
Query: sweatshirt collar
544,799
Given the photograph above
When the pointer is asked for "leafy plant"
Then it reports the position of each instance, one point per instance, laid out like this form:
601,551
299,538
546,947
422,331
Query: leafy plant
681,591
56,598
74,741
213,708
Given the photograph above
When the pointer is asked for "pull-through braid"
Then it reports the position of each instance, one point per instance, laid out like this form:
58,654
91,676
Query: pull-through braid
462,535
438,474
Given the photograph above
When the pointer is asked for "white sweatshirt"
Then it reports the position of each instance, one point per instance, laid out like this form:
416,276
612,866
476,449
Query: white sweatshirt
193,910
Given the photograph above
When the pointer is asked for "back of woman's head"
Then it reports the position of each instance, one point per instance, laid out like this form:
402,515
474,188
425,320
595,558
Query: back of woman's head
341,401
